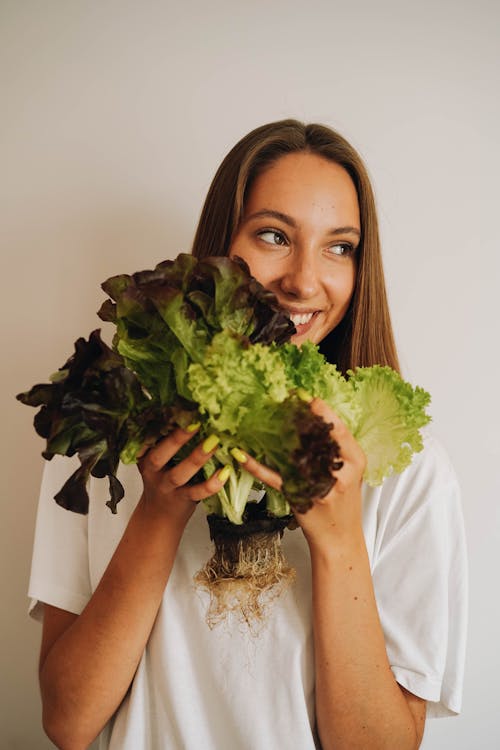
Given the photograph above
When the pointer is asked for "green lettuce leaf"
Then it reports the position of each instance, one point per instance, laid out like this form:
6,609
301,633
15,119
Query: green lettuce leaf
235,378
308,369
392,414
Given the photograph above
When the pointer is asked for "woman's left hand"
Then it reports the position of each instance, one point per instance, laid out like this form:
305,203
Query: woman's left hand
337,515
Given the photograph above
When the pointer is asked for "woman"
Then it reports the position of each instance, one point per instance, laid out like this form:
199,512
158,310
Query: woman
373,629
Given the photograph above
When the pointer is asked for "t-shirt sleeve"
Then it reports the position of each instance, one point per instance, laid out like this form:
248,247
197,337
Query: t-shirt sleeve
420,580
60,566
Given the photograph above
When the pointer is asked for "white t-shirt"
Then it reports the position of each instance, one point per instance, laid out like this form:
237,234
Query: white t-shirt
227,688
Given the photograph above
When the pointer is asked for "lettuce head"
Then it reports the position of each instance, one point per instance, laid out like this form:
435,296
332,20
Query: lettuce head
202,340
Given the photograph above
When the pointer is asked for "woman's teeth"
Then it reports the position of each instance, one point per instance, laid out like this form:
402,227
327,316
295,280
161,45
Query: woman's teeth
300,320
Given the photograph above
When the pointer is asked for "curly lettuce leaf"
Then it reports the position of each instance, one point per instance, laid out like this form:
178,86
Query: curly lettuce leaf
236,378
297,444
153,324
197,298
392,414
84,411
307,368
96,408
229,298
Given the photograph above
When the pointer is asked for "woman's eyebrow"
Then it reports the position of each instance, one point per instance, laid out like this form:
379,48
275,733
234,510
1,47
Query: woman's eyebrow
270,213
346,230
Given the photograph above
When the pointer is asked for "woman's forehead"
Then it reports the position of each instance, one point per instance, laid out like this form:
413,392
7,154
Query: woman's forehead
304,184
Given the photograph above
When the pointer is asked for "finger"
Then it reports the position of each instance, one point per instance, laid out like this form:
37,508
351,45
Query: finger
322,409
210,486
186,469
156,457
339,430
350,450
258,470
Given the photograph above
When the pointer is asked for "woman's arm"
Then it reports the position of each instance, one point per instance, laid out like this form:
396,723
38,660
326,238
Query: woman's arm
359,704
88,662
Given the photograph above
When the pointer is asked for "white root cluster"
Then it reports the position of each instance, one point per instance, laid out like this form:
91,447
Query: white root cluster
244,575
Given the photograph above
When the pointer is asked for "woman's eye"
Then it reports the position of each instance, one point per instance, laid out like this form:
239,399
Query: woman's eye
272,237
342,248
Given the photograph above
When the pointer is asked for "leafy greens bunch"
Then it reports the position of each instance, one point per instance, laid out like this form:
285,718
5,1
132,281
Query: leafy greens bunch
202,340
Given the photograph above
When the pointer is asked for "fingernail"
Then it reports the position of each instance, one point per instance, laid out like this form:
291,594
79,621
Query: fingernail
224,473
304,395
193,427
238,455
210,443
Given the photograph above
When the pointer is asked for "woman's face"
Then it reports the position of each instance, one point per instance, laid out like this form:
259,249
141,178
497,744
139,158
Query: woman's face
299,233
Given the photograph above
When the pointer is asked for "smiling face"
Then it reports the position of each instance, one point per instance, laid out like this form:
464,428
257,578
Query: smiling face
299,233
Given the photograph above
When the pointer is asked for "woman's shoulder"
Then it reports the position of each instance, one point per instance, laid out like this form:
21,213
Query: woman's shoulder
432,472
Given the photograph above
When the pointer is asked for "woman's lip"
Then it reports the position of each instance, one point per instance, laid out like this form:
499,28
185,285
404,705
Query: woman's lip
300,311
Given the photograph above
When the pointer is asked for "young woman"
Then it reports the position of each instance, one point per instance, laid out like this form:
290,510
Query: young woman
372,632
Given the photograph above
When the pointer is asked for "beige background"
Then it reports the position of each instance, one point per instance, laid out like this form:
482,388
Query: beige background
114,118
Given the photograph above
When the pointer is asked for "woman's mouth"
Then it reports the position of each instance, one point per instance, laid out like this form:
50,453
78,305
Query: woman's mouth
303,321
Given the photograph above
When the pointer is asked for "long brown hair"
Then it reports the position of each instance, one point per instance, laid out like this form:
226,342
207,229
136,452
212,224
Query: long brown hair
365,336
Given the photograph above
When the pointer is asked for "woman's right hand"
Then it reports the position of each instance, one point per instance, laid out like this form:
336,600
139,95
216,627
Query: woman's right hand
166,488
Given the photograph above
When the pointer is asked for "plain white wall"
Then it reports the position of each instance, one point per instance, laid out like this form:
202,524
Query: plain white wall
114,118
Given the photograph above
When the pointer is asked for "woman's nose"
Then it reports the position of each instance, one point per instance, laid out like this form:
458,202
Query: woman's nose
300,278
